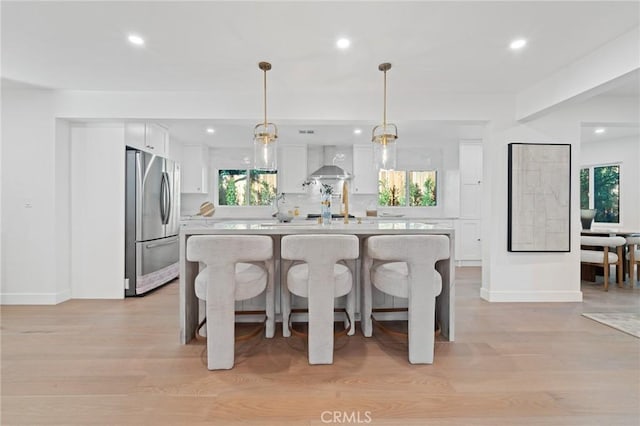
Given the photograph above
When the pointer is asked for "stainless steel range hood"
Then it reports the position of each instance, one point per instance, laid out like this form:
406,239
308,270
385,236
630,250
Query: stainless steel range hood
330,171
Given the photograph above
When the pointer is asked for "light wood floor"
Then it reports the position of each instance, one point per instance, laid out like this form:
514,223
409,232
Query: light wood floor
119,363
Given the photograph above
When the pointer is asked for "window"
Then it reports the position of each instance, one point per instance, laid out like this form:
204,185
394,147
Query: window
407,188
600,190
234,189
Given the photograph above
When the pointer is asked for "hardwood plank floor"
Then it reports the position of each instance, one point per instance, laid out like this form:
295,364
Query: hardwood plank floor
111,362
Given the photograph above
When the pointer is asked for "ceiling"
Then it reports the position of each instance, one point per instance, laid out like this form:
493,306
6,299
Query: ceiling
435,47
611,132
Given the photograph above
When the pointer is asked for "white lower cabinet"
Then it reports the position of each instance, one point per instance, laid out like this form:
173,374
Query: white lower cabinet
468,240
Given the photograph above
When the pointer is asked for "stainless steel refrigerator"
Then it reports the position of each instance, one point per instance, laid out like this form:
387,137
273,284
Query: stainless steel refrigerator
151,221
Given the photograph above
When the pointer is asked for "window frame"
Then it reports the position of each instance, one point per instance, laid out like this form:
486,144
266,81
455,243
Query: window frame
248,195
591,192
407,190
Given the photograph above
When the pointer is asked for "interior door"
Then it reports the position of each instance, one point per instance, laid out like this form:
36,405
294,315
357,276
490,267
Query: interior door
150,206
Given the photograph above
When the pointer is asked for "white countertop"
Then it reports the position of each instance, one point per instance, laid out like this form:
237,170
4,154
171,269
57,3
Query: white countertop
309,227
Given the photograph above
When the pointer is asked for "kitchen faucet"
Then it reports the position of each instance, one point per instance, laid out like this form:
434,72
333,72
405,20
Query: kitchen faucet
345,201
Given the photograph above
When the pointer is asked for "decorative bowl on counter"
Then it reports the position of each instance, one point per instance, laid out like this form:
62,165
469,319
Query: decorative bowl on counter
207,209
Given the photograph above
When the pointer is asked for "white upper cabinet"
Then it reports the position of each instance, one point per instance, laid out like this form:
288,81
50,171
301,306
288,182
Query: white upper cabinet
292,168
195,176
365,175
470,179
149,137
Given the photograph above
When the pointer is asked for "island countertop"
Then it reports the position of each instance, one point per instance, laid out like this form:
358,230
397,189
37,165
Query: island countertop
445,308
270,227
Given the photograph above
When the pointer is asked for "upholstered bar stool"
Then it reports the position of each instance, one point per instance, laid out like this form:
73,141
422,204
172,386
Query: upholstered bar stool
404,266
238,267
321,279
633,256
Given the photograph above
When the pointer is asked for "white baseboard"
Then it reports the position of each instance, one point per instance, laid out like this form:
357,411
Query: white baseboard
34,298
530,296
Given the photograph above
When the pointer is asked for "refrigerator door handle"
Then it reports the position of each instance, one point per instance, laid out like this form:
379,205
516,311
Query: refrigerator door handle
163,202
154,245
168,199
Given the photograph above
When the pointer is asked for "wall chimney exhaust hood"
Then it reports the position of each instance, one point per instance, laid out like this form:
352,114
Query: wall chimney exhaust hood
330,171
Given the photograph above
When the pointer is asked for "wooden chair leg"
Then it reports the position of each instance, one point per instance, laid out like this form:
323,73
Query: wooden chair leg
632,264
620,267
606,268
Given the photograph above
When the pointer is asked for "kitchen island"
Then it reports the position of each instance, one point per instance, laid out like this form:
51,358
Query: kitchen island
189,303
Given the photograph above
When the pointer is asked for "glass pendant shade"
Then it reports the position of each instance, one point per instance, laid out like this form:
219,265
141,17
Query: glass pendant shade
265,134
264,147
384,147
384,136
384,154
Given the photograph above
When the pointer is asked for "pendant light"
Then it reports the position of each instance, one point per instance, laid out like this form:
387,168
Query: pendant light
384,135
265,134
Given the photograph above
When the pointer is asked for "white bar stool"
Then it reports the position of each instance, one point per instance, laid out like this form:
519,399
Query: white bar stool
320,279
404,266
238,267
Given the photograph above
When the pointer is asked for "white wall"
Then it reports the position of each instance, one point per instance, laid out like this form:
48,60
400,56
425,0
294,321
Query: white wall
29,164
97,206
440,155
625,151
522,277
34,265
62,224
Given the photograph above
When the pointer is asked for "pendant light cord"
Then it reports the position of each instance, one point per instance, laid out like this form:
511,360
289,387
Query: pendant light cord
384,114
265,97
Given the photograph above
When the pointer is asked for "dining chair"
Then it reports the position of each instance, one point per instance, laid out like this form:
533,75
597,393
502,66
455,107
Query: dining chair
237,267
633,256
314,271
404,266
596,251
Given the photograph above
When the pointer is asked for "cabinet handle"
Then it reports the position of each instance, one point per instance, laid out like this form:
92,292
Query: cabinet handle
478,239
478,181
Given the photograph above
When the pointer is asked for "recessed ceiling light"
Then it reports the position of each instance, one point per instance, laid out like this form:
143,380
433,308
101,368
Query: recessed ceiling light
518,44
136,39
357,131
343,43
599,130
211,130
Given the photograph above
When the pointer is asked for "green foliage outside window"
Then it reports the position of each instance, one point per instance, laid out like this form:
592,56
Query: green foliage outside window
390,195
606,199
584,188
605,181
263,187
234,189
422,188
421,191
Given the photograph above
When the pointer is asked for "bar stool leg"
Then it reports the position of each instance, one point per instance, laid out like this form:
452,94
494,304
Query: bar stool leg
366,301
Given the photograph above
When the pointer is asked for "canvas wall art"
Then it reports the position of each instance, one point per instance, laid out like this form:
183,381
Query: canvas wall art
539,218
